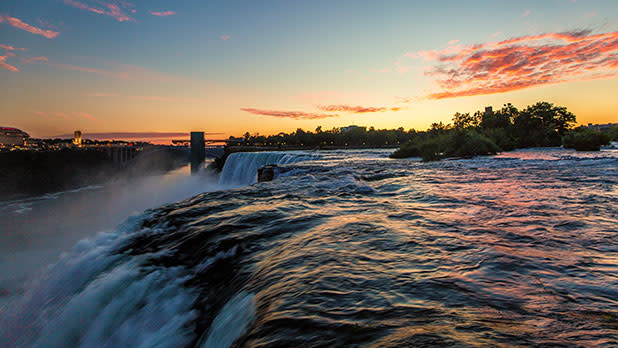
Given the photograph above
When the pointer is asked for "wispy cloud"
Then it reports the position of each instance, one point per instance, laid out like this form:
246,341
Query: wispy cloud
34,59
288,114
225,37
149,97
522,62
162,13
85,115
61,114
112,70
117,9
12,48
166,99
526,13
39,113
17,23
355,109
115,74
98,94
590,14
133,135
5,65
64,114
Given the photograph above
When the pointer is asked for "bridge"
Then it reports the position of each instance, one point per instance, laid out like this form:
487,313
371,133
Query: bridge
213,151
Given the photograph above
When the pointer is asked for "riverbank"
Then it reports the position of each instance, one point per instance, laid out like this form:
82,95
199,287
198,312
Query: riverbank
31,173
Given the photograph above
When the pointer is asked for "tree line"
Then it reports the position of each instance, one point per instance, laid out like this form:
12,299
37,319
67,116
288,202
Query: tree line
482,132
335,137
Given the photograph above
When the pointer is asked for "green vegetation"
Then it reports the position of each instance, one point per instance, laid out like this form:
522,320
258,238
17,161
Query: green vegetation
481,133
336,137
585,139
457,143
485,133
612,133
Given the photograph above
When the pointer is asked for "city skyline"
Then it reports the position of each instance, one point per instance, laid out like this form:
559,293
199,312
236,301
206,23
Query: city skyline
171,67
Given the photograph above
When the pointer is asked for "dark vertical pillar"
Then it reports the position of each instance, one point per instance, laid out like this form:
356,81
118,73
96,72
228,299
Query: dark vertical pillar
198,152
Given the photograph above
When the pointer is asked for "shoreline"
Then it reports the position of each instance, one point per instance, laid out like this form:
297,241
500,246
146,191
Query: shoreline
28,174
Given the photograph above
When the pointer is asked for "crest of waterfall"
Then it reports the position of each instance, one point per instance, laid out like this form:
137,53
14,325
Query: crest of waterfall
241,167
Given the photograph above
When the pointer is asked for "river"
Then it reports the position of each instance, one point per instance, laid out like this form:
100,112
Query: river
343,249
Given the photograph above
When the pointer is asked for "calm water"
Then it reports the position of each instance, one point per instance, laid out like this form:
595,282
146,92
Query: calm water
350,249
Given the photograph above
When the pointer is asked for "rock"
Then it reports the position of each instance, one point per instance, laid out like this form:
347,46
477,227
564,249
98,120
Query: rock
267,172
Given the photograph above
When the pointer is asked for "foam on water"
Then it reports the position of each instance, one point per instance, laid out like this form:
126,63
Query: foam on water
349,250
95,297
231,322
241,167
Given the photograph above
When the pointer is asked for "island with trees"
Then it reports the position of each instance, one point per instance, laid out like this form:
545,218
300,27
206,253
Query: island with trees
484,133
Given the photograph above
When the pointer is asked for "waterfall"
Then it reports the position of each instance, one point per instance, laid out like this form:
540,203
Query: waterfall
241,167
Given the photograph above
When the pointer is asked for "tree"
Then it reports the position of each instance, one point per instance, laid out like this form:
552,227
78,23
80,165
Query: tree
501,119
438,128
464,121
553,117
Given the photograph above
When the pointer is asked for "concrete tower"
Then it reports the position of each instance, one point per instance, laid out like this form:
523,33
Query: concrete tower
198,153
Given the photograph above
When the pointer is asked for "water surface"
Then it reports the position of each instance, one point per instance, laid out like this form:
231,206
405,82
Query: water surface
351,249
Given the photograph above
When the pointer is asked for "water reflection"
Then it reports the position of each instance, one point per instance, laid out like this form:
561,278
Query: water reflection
352,249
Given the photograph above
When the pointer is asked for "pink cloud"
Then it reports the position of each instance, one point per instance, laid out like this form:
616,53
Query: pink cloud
34,59
523,62
526,13
12,48
452,42
590,14
40,113
113,8
17,23
84,115
225,37
355,109
5,65
288,114
167,99
162,13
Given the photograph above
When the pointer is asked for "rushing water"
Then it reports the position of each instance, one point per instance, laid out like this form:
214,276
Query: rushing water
351,249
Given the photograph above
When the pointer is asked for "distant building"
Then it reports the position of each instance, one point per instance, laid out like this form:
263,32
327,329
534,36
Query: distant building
352,127
13,136
602,127
77,139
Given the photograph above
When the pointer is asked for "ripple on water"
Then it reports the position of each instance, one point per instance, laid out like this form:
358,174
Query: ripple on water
356,250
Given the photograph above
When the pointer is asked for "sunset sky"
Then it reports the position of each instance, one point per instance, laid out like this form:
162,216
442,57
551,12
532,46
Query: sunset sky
267,66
